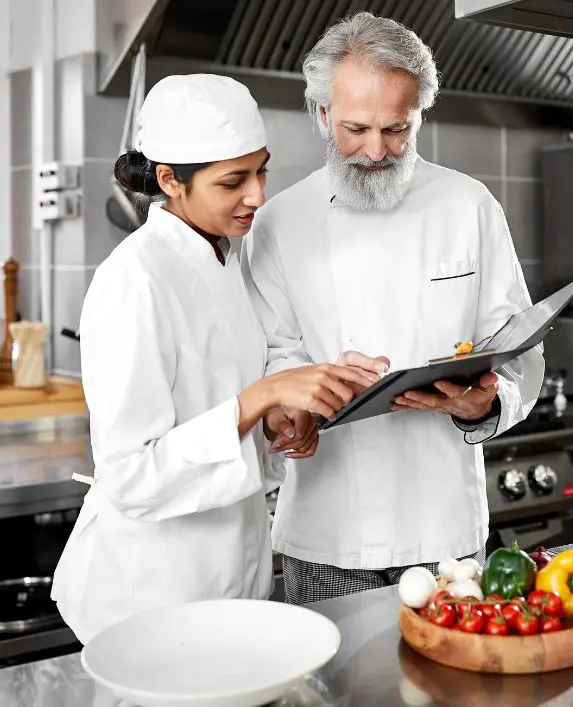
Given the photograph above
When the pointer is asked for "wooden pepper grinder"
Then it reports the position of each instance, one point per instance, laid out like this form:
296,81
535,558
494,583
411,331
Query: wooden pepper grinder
10,269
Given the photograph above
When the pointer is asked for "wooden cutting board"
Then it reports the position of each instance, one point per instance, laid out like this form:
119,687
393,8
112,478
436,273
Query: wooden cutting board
487,654
62,396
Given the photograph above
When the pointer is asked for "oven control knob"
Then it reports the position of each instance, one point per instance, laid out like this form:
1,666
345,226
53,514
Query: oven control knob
542,478
513,484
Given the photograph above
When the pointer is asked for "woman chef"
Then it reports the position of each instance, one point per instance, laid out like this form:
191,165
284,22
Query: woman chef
172,360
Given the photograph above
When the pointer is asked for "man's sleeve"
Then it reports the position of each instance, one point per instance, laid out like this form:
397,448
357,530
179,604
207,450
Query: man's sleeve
503,292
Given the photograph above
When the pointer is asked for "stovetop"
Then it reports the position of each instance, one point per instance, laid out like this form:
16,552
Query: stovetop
529,468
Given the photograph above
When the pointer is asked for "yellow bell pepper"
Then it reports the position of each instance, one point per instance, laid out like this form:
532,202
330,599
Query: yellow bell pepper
557,577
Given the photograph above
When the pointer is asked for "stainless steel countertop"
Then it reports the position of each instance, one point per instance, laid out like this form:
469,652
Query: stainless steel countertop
373,668
37,460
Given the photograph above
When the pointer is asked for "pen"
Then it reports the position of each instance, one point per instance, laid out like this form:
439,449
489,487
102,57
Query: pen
360,350
356,346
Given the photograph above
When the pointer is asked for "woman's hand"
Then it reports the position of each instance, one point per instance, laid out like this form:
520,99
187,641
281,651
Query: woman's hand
294,432
323,389
370,368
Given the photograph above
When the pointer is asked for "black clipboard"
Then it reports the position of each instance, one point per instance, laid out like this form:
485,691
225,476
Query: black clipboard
521,332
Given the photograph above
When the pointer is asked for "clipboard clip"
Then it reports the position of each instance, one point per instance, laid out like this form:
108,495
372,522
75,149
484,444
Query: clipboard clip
456,357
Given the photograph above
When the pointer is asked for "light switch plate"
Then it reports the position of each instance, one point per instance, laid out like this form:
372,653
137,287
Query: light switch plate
57,205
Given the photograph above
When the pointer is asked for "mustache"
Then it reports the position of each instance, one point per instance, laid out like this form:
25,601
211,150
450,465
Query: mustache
365,161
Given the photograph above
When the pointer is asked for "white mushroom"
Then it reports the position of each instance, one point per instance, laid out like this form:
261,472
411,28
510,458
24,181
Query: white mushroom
417,588
465,588
423,570
471,562
463,572
446,568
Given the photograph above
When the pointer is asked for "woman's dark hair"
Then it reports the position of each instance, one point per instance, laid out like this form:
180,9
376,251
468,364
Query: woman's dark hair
136,173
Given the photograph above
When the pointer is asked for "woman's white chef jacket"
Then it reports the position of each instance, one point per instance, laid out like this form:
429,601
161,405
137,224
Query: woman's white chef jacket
409,283
178,513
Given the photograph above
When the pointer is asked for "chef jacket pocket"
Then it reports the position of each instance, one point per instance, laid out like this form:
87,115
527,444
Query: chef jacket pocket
451,296
453,270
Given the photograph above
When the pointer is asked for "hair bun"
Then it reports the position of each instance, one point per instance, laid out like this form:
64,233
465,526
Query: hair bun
136,173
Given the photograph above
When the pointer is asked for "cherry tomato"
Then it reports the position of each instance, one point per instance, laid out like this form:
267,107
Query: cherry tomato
497,626
525,623
443,597
495,598
537,596
424,611
490,611
549,603
520,601
536,611
550,623
510,611
466,604
473,621
443,615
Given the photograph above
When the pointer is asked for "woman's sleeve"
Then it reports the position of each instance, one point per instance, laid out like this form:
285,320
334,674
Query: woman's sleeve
150,465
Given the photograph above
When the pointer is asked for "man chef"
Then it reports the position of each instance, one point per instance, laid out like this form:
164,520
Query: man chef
406,258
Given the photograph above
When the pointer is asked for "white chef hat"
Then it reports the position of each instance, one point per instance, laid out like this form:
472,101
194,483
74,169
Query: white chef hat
199,118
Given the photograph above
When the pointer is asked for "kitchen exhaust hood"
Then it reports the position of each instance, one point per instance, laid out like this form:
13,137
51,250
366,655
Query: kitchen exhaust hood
549,16
514,77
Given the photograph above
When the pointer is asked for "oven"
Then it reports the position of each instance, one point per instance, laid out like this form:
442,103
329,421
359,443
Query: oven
529,477
39,505
30,624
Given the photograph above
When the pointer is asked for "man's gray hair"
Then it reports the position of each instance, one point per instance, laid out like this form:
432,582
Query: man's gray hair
376,41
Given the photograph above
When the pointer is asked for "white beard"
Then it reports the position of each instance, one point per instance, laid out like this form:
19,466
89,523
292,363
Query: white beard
364,189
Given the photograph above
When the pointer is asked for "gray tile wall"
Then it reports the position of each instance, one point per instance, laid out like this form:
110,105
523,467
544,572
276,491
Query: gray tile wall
69,291
103,127
101,236
88,133
24,246
21,114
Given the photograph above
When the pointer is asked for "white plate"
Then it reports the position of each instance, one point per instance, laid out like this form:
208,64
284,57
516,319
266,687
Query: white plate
220,653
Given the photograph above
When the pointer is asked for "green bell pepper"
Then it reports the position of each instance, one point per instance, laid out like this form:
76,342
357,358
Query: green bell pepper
509,572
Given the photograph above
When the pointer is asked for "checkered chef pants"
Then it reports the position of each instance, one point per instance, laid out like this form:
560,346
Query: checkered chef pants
309,581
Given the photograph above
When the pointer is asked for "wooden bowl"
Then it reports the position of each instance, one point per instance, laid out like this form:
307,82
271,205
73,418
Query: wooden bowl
515,655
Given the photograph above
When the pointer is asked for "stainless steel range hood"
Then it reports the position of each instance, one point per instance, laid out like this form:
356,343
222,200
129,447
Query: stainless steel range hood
516,77
550,16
